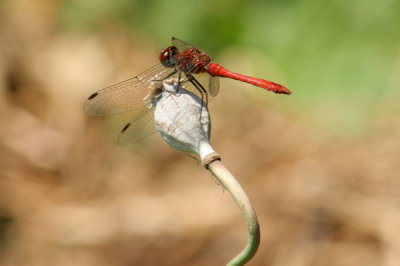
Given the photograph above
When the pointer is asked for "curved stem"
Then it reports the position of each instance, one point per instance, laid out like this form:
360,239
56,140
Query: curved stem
229,182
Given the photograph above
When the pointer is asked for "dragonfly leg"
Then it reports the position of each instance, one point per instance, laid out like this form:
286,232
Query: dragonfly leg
200,88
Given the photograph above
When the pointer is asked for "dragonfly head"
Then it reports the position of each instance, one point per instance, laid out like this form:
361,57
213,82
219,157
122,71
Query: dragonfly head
168,56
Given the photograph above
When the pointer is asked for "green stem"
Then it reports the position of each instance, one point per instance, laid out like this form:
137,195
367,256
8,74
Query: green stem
229,182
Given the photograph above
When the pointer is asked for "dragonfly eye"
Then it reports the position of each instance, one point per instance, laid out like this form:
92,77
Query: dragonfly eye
168,56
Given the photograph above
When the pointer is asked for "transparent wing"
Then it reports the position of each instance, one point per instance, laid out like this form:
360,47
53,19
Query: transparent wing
140,127
181,45
125,96
214,85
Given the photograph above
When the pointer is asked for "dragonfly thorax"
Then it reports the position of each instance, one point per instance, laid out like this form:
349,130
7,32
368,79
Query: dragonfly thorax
193,60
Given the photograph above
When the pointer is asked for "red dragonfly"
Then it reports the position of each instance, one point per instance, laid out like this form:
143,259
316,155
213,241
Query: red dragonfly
182,61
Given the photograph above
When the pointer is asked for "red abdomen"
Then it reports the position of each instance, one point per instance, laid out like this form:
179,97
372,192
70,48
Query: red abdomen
217,70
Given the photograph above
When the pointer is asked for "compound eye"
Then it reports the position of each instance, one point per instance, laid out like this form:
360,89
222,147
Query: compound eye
164,55
168,55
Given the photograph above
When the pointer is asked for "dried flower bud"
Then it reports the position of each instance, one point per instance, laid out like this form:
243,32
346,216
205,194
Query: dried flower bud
182,120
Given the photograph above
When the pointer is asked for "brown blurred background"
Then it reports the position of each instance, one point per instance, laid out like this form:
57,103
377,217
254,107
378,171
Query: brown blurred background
322,166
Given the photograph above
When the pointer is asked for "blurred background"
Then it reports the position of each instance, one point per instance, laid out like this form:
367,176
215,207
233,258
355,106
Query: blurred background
322,166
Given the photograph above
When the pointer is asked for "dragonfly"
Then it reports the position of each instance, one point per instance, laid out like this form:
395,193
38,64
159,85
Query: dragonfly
190,66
